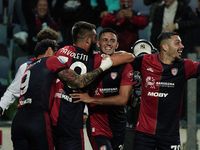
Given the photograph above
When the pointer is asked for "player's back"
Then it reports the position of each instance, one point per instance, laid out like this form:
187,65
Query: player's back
37,83
64,111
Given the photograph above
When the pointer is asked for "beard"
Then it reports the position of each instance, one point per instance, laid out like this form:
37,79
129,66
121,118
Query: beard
177,59
92,47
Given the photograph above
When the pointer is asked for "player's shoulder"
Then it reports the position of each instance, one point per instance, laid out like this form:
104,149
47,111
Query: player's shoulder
188,61
69,49
140,57
149,57
23,66
53,59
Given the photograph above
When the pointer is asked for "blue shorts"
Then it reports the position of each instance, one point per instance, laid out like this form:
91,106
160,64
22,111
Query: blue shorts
68,138
32,129
160,142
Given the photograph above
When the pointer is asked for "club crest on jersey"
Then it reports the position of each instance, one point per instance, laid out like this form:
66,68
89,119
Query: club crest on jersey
113,75
130,74
174,71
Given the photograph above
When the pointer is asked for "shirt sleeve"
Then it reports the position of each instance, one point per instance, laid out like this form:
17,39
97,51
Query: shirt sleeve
192,68
13,91
137,63
98,58
56,64
127,76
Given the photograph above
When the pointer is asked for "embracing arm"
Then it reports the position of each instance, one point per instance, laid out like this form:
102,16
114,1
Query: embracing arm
71,78
122,57
118,100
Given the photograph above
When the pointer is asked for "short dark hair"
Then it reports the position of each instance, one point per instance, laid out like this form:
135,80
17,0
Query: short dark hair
107,30
81,29
47,33
42,46
164,35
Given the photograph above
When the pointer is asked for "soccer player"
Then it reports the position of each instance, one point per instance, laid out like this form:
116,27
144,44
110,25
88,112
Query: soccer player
13,91
66,115
109,93
164,78
140,47
31,126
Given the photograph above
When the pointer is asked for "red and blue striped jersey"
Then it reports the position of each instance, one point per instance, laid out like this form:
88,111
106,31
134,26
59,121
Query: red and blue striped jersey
162,93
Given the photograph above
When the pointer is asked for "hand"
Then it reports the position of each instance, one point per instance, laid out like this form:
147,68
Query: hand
170,27
120,14
83,97
128,13
106,62
103,13
85,117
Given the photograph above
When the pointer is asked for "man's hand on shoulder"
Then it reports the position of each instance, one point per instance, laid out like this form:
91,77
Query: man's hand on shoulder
106,62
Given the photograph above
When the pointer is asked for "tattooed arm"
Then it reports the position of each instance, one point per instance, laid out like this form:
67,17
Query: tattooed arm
71,78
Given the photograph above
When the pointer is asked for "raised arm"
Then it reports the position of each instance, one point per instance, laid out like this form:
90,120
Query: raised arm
122,57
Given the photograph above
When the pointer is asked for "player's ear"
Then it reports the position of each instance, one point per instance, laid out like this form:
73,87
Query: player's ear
117,45
49,51
164,47
88,39
98,45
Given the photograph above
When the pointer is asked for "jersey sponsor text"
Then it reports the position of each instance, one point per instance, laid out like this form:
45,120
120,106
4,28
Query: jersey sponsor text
66,97
157,94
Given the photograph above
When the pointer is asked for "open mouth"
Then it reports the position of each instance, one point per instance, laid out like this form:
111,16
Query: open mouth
107,48
180,51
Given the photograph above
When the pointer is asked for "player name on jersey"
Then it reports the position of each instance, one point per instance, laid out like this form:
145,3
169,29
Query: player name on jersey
79,56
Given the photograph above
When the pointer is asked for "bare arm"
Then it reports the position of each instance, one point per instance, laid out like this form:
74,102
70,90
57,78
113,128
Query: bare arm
119,100
122,57
71,78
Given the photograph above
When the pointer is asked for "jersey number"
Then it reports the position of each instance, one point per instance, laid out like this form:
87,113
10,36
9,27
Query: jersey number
24,85
175,147
80,65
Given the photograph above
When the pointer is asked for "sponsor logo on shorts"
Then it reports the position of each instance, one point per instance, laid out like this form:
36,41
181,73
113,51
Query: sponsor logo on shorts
103,147
26,101
121,147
